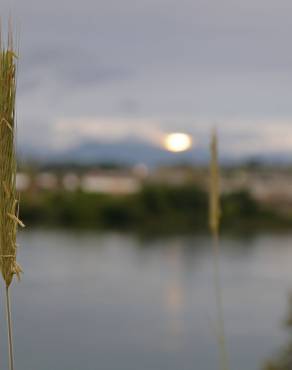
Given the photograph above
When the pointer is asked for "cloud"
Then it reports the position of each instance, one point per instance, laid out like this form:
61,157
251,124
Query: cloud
69,131
238,138
257,138
107,68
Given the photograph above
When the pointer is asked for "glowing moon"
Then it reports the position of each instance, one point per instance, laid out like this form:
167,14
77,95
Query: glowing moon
177,142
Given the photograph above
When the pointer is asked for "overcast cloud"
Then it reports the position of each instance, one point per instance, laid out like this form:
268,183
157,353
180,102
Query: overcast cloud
148,67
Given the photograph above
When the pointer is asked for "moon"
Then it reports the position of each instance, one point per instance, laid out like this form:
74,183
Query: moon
177,142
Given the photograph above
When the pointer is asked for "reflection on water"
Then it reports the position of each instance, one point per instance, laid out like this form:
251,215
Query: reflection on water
174,297
113,302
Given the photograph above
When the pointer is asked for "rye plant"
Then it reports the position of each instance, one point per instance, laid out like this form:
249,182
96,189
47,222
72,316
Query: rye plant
9,199
214,223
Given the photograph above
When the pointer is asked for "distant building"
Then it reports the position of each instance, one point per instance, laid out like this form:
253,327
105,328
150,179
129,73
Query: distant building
46,181
178,176
270,186
23,181
71,182
111,182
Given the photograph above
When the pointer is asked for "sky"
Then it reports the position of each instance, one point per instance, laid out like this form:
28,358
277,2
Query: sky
108,70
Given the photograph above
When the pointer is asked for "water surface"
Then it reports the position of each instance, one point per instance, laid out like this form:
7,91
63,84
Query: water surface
115,302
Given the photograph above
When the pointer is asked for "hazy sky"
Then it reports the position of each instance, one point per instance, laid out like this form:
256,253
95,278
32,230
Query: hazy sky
108,69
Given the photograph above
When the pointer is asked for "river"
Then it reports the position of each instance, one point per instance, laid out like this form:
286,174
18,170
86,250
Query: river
114,301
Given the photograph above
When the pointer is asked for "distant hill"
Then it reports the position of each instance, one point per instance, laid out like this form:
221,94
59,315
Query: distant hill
131,151
126,151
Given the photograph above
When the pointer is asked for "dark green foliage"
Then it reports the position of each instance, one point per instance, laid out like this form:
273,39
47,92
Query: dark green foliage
239,204
158,208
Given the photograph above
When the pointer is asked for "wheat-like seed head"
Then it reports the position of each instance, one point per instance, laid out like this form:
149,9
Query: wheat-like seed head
214,193
9,199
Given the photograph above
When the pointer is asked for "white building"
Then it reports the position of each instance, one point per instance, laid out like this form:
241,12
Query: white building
111,183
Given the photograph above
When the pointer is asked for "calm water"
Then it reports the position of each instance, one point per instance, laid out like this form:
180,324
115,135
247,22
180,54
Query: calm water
114,302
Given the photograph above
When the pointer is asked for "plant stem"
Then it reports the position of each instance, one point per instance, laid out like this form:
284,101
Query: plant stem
9,324
218,293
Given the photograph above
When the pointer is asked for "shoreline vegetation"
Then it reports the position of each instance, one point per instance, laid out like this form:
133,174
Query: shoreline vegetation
161,209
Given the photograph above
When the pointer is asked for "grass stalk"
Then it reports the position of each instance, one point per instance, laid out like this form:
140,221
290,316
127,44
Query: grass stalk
214,223
9,199
9,325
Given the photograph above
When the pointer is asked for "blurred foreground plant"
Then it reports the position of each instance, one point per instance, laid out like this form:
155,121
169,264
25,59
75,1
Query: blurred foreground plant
9,200
214,223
